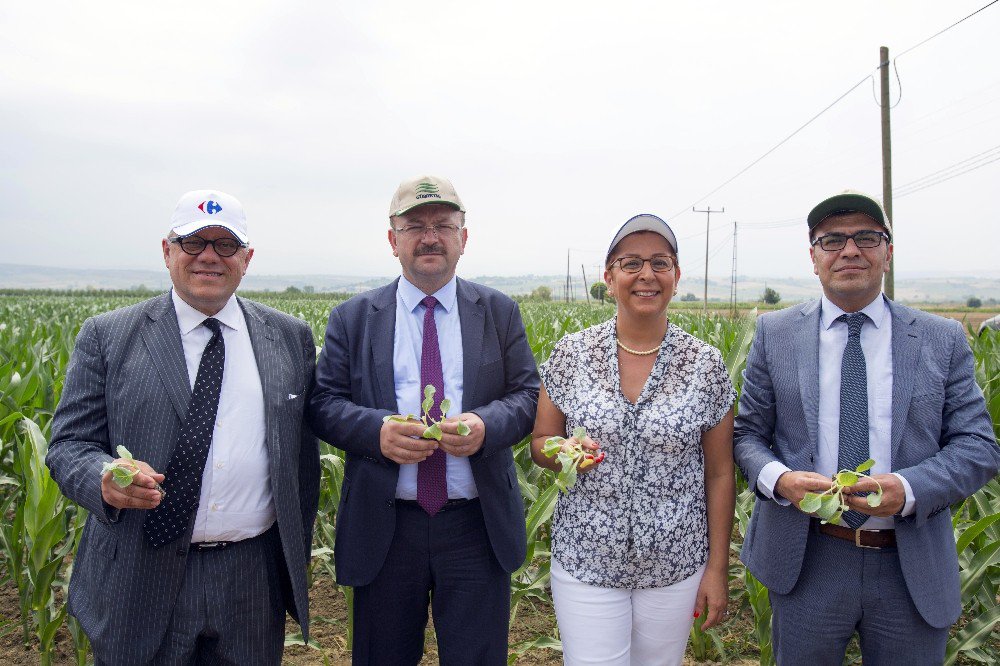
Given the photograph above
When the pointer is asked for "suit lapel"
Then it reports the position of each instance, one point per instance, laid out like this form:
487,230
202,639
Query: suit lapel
162,338
267,353
382,331
906,343
472,314
807,360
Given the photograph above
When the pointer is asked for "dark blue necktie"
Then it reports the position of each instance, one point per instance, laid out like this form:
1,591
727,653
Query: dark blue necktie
853,406
187,464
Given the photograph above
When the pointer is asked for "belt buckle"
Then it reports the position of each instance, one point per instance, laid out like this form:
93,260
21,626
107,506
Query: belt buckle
857,540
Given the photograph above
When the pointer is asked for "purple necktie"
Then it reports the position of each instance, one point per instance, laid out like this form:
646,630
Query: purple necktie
432,478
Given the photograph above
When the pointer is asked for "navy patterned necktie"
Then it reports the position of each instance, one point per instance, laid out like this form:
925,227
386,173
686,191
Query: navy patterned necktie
853,406
187,464
432,473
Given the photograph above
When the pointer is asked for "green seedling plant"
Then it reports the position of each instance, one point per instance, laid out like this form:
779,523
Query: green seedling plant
830,504
432,428
572,458
123,473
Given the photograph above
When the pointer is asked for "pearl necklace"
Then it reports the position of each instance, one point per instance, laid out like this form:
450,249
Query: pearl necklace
636,351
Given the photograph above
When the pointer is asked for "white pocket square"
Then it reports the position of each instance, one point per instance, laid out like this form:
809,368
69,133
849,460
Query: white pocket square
292,396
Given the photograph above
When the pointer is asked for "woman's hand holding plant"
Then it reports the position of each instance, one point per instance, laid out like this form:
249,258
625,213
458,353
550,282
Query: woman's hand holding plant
576,455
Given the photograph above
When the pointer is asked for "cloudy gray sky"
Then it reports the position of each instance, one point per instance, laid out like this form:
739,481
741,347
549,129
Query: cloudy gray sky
555,120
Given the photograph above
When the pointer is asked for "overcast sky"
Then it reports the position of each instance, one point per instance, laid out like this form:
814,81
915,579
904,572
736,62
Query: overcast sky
556,121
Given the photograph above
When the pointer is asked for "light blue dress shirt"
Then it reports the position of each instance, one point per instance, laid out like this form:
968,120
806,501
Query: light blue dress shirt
876,341
407,345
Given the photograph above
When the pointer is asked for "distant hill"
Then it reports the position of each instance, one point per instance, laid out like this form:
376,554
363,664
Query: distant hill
924,289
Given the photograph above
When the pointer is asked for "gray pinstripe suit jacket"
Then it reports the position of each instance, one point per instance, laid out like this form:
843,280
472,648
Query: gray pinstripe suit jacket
127,383
942,442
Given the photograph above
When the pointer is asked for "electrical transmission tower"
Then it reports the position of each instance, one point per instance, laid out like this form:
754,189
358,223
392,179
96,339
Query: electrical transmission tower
708,217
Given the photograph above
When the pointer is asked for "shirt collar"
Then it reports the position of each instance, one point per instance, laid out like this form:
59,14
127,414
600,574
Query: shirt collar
876,311
412,296
189,319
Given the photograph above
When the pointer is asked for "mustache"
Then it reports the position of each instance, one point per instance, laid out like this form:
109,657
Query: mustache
437,248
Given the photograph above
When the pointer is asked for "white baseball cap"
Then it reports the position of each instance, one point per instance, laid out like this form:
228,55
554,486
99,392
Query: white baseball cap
200,209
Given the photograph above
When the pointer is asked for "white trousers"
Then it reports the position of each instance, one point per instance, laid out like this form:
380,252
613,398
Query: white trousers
612,626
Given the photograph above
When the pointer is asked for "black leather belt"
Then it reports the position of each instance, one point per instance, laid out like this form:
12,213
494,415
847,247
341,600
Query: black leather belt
203,546
450,504
860,538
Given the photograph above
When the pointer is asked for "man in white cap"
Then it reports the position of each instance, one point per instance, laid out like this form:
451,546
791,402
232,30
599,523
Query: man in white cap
197,560
828,385
422,521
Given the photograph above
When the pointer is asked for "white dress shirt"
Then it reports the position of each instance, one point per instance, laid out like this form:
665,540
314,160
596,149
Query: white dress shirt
407,348
236,501
876,342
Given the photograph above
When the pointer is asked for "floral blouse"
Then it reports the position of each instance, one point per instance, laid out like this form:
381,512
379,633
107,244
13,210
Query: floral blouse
639,519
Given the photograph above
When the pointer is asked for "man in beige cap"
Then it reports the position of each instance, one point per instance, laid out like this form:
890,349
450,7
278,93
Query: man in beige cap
207,391
422,520
828,385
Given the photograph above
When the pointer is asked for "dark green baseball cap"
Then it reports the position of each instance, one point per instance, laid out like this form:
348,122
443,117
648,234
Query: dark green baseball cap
849,201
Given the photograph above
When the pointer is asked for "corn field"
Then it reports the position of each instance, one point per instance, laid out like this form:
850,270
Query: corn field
40,529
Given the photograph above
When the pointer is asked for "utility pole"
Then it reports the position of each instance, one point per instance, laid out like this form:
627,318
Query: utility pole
883,65
732,290
586,289
708,217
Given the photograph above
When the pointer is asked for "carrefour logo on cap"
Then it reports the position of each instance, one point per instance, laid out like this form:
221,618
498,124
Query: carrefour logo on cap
210,207
426,191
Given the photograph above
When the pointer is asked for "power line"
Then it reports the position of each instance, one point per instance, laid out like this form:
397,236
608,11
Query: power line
941,32
895,68
775,147
986,154
995,157
830,106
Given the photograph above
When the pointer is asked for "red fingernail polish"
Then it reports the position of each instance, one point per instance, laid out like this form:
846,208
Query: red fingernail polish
697,613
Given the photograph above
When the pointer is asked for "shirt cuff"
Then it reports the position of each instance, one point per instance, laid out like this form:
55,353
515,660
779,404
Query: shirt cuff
908,505
768,478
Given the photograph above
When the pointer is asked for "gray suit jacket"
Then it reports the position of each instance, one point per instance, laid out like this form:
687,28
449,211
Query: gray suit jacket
942,443
127,383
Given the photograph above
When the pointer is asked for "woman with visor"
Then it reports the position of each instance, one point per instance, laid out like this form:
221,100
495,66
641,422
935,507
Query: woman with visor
640,545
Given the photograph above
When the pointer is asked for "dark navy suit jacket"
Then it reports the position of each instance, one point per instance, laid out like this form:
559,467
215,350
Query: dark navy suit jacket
355,390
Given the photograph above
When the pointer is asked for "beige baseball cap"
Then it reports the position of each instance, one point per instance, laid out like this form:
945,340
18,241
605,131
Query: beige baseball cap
422,190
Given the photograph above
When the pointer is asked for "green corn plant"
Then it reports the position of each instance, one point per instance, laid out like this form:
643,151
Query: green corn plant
976,522
46,536
705,644
754,593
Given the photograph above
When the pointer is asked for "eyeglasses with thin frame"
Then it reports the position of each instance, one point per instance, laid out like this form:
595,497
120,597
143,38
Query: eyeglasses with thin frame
866,239
635,264
436,230
195,245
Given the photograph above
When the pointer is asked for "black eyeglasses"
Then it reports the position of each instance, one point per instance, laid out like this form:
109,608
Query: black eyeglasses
863,239
195,245
635,264
418,231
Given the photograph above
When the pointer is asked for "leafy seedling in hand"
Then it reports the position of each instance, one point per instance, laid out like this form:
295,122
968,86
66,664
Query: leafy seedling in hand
123,473
432,428
830,504
571,456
